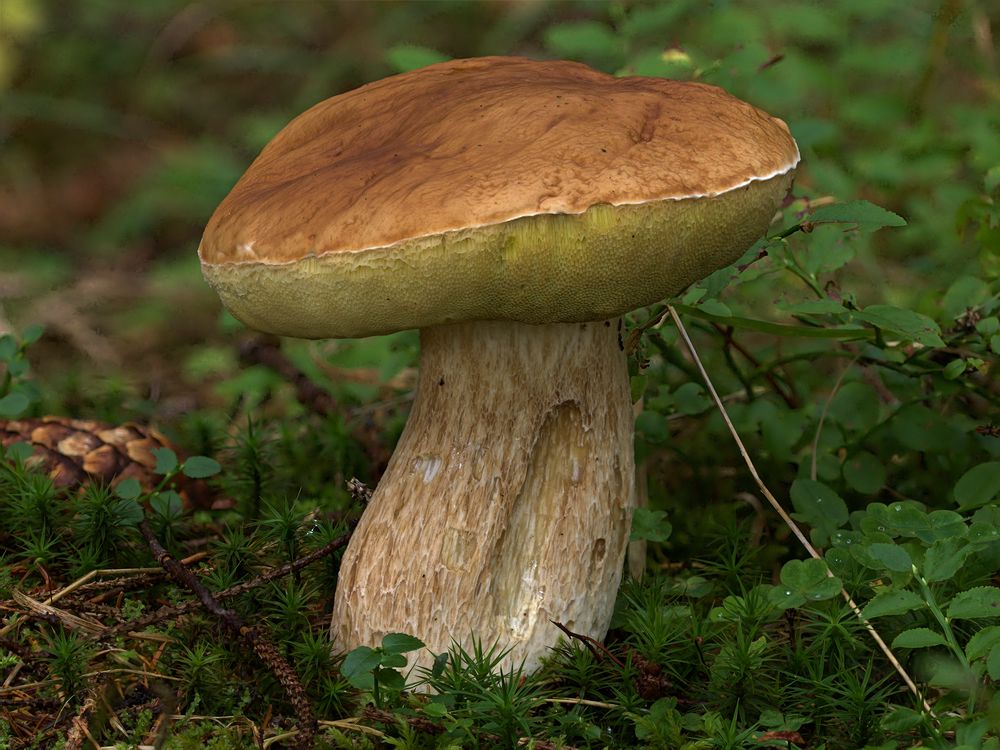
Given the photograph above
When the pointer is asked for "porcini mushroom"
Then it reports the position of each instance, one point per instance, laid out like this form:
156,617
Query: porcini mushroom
512,210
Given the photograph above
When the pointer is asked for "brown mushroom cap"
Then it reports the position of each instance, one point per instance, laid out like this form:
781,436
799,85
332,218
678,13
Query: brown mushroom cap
494,189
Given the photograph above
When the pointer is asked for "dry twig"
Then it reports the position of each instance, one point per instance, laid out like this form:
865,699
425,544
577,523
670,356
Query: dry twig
788,520
253,637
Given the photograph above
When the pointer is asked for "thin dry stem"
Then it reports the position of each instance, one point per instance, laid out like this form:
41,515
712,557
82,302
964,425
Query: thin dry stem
788,519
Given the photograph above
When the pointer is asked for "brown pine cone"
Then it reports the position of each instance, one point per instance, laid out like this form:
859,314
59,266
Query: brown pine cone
76,451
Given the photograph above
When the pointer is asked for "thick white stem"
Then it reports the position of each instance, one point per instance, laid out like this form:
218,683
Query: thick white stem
508,501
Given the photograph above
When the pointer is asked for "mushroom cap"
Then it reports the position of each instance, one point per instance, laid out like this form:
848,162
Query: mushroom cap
496,188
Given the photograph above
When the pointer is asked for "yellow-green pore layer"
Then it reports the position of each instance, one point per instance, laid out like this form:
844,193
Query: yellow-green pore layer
545,268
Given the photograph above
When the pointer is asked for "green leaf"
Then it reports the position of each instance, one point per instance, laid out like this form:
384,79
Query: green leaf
948,673
992,179
693,294
652,426
166,460
714,307
846,332
921,429
941,524
18,452
435,709
898,519
863,214
199,467
820,507
855,407
901,720
8,348
637,386
651,21
944,558
891,556
358,666
13,405
988,326
981,642
406,57
400,643
964,292
128,489
585,40
690,399
31,334
892,603
804,580
440,662
782,431
828,588
658,63
814,307
167,504
128,513
978,486
809,132
981,601
864,472
650,525
909,325
390,679
993,664
393,660
954,369
984,532
918,638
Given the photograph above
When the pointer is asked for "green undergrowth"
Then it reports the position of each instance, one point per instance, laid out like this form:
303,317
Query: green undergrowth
717,652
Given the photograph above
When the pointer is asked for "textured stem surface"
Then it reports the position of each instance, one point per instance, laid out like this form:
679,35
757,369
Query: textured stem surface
508,501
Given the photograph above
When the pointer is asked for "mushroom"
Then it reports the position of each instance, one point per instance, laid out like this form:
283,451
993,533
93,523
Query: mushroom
512,210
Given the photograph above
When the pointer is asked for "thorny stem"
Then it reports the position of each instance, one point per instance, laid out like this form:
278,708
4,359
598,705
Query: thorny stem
790,523
240,588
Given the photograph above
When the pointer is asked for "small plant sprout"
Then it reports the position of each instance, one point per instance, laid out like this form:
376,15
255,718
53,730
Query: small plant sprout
376,670
17,392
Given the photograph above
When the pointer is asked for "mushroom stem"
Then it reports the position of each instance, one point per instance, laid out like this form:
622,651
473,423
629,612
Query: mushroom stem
508,501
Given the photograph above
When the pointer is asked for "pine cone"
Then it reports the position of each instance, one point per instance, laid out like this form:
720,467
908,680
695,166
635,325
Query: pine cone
76,451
